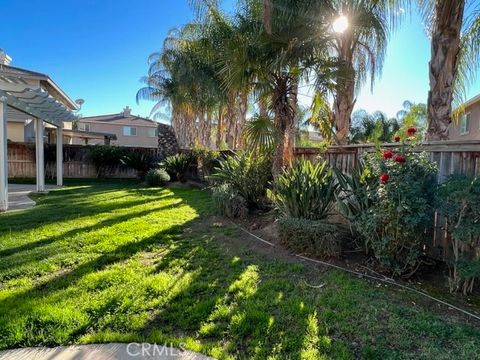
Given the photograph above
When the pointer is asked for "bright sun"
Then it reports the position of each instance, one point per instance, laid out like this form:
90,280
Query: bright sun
340,24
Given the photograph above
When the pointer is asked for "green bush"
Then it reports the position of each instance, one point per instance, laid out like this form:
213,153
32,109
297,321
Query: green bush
228,202
139,161
248,175
207,160
312,237
106,158
157,177
401,209
459,201
306,191
177,166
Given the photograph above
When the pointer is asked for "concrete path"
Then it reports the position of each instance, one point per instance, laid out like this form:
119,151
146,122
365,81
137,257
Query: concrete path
114,351
18,196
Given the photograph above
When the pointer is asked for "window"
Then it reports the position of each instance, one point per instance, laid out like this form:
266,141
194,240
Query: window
465,124
152,132
84,127
129,131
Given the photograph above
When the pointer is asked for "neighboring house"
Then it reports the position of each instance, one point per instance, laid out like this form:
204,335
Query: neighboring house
21,126
130,130
468,125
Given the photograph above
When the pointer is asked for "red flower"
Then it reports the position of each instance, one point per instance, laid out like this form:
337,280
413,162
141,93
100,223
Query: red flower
384,178
387,154
397,138
399,158
411,131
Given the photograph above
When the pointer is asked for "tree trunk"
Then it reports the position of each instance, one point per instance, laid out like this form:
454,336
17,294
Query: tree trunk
242,118
220,130
208,131
343,105
231,120
443,66
284,105
267,16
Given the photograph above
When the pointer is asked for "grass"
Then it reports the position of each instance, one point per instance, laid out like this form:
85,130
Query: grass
104,262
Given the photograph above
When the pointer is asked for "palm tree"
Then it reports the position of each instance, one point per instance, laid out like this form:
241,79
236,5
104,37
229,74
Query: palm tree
361,50
375,127
273,63
445,19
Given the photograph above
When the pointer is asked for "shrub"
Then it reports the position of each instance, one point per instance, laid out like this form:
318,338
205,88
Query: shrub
206,160
306,191
459,201
249,176
310,236
401,208
157,177
139,161
228,202
177,166
354,195
106,158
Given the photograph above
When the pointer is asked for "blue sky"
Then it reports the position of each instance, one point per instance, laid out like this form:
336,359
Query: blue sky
97,50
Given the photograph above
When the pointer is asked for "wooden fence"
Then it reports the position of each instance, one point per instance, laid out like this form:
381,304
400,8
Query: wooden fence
452,157
21,162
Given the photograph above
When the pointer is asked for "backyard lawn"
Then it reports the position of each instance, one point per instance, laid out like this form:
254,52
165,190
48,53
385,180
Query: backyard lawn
103,262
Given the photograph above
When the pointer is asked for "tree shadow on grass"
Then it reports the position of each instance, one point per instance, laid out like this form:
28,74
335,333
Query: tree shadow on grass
47,211
20,256
235,305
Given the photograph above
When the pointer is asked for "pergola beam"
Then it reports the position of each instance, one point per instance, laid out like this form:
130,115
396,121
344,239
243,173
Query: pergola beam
3,156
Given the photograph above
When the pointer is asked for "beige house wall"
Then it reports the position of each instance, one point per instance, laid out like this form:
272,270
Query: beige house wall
140,140
16,131
474,130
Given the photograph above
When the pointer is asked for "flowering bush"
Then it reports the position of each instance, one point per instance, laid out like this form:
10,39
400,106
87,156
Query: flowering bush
402,207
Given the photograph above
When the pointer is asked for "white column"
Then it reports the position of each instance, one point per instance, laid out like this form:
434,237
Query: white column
39,155
3,156
60,155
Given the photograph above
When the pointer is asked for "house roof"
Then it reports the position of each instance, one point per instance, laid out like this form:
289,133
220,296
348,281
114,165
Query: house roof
10,73
472,101
120,118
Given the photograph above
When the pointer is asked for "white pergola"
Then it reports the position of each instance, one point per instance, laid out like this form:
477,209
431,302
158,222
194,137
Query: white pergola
38,103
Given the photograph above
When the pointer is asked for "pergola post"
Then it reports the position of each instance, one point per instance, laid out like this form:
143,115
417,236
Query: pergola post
40,159
60,155
3,156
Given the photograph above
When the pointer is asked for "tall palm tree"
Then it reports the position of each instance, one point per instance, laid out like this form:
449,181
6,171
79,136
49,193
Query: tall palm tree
275,62
361,50
445,19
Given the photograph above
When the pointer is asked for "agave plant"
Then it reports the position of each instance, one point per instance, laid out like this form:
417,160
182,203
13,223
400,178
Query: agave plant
306,190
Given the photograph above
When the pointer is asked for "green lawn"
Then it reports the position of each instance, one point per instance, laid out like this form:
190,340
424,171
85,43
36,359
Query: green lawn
115,262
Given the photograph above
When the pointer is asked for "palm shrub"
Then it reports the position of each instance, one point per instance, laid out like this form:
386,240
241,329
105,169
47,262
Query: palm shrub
177,166
139,161
306,190
401,207
248,175
459,201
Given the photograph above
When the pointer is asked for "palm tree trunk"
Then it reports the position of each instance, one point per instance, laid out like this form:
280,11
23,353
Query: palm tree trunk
242,118
231,120
443,66
220,129
285,96
267,16
208,130
343,104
